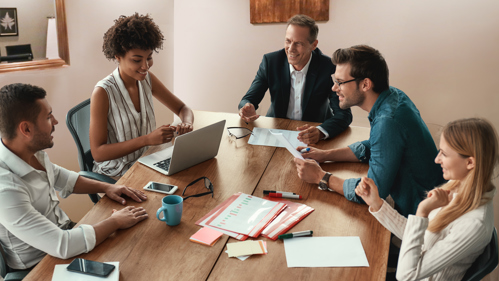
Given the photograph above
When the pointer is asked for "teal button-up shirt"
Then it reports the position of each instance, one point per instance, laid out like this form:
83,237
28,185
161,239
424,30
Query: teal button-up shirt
400,152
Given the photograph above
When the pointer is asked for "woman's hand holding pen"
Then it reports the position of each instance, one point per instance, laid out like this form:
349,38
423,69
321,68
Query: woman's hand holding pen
436,198
368,190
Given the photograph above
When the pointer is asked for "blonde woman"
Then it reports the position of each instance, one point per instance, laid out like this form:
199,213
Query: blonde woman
455,222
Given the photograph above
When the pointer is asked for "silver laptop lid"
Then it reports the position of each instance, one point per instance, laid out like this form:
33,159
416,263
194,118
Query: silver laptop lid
189,149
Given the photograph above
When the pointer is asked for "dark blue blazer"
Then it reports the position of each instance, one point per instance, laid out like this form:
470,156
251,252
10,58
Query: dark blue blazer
319,103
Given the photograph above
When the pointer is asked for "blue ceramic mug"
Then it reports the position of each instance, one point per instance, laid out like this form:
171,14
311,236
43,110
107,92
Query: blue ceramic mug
171,209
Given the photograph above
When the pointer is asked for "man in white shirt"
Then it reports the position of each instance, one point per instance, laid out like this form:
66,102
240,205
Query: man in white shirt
298,78
31,222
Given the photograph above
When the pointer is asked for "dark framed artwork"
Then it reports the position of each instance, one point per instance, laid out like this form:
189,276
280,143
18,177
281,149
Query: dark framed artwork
8,22
269,11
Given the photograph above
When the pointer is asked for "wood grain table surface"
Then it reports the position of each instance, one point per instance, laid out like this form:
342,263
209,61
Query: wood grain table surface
152,250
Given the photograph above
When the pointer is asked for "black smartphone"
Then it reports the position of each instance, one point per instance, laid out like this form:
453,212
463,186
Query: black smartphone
94,268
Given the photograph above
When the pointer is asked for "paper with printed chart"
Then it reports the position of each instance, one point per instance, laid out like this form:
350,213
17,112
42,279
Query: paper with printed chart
247,215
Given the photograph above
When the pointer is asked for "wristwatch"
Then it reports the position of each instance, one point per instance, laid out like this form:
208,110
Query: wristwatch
324,183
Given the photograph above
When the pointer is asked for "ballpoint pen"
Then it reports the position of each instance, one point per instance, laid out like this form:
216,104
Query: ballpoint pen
305,150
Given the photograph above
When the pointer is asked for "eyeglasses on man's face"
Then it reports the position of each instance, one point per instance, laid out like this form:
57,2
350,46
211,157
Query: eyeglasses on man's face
207,184
236,133
343,82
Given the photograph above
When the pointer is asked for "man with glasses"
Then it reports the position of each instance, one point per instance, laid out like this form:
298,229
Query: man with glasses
400,150
299,82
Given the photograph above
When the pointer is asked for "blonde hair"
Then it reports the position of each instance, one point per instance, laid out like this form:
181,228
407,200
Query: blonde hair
473,137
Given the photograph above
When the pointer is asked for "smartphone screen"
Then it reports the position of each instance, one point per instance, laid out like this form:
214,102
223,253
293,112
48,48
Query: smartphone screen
161,186
91,267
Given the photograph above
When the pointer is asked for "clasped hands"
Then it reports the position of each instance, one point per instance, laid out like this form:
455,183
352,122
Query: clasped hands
166,133
308,134
436,198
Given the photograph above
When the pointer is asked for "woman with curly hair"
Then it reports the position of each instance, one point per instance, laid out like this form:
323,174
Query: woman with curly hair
122,122
454,224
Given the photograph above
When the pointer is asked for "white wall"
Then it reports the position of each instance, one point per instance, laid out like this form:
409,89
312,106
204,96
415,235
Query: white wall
32,25
443,54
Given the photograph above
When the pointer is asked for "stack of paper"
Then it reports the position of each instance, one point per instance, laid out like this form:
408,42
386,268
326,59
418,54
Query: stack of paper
242,250
206,236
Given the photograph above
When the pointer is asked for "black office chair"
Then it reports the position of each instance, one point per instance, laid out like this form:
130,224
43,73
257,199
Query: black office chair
17,53
485,263
78,122
12,276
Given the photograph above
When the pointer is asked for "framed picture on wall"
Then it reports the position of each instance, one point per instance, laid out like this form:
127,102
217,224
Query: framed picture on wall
8,22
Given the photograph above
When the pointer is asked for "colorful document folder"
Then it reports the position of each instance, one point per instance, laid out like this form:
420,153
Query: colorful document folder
242,215
293,214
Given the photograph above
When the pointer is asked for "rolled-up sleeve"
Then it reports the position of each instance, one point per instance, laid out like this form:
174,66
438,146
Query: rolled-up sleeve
21,219
65,180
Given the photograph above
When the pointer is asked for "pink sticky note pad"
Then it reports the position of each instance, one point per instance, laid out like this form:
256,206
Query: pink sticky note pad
206,236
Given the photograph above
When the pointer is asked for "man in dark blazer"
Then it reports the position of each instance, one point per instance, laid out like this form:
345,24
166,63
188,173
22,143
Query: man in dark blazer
300,84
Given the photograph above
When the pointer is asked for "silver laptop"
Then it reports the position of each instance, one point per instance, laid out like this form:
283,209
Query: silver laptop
189,149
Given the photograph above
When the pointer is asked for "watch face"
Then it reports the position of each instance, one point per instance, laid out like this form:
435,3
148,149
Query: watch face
322,186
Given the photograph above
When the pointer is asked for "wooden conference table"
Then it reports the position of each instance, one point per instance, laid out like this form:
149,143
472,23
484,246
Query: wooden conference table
151,250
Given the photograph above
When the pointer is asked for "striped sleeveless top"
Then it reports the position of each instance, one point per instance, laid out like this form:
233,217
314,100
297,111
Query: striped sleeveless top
124,122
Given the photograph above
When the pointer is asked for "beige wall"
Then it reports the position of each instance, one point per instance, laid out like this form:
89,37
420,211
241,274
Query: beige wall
441,53
66,87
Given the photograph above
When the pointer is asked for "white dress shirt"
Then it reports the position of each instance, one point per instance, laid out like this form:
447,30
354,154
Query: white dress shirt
445,255
30,217
297,89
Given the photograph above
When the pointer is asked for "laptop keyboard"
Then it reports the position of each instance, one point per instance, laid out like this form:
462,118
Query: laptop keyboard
164,164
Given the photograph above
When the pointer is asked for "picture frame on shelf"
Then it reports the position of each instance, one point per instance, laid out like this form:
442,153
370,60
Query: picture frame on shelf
8,22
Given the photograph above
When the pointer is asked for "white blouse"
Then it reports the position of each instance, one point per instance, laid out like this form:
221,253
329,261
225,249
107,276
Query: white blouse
124,122
30,217
445,255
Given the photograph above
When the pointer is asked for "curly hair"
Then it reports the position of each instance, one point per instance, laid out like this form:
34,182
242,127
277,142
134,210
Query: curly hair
133,32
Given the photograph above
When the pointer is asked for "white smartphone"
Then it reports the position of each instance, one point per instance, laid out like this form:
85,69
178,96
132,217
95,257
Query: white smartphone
161,187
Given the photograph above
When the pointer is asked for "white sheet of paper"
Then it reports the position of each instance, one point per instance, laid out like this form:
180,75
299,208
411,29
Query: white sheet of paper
284,141
325,252
262,136
243,214
62,274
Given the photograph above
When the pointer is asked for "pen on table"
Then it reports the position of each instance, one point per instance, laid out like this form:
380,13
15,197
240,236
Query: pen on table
305,150
289,196
295,234
267,192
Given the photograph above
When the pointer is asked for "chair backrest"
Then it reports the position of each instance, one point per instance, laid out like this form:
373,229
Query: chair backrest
485,263
3,265
78,122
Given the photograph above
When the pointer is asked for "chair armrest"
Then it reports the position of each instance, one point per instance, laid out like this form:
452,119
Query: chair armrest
95,176
16,276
